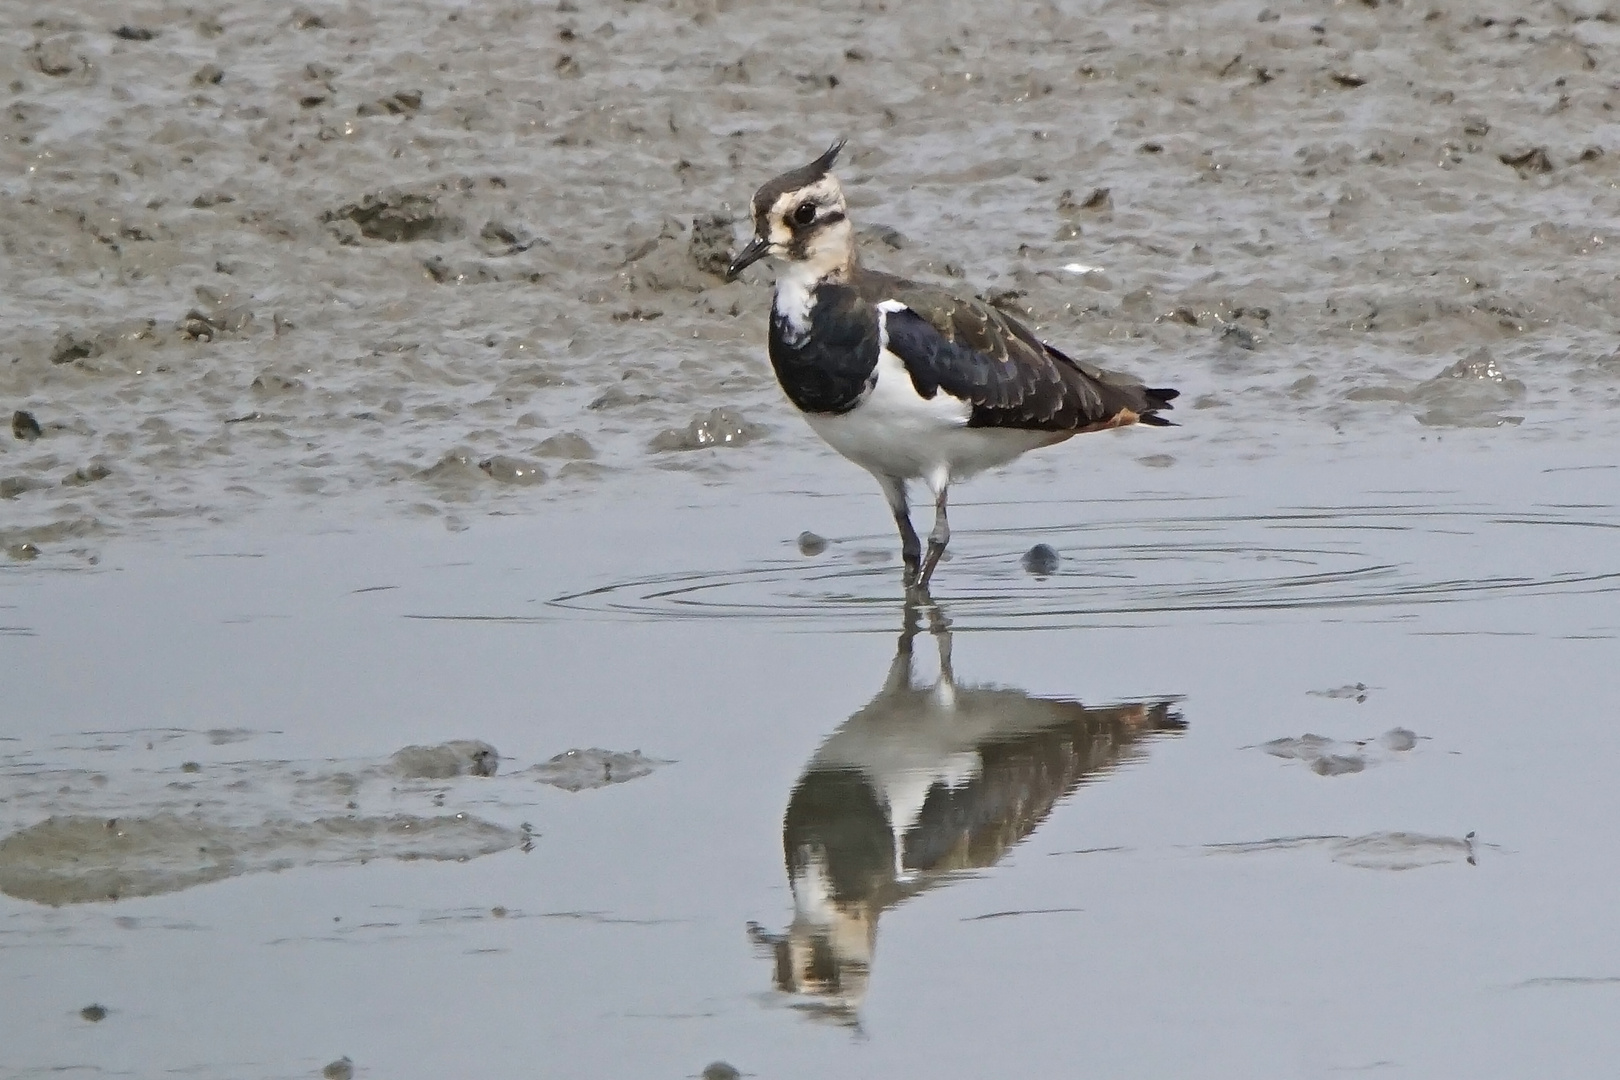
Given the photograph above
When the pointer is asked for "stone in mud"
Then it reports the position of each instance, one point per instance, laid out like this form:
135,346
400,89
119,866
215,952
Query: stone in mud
1041,560
1238,336
580,770
718,427
511,470
811,544
710,245
720,1070
217,322
93,1013
134,33
395,104
1531,162
24,426
504,238
341,1069
397,217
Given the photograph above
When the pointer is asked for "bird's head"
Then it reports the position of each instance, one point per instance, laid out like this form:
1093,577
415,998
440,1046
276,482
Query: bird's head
800,216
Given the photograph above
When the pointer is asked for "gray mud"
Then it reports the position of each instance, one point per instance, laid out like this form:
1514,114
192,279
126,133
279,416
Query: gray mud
371,374
395,252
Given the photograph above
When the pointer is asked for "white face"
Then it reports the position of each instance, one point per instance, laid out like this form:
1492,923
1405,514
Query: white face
811,227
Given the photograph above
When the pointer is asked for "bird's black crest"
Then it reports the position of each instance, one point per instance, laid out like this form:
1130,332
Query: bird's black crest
803,176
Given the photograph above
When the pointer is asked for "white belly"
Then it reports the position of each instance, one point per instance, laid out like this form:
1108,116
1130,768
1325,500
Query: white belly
895,431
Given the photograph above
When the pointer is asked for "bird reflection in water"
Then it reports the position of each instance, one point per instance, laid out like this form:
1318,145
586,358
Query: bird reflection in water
930,779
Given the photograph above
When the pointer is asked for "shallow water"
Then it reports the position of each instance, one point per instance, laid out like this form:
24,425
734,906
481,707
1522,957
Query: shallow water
404,661
1093,822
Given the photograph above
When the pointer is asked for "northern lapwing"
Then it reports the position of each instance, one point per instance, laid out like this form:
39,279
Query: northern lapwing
907,380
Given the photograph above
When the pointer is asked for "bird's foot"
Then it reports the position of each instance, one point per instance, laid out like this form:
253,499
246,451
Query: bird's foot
935,550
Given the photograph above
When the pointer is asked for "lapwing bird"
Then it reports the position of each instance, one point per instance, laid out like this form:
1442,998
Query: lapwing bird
906,380
931,780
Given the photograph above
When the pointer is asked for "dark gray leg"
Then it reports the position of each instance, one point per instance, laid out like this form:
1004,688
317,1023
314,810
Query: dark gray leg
894,489
936,539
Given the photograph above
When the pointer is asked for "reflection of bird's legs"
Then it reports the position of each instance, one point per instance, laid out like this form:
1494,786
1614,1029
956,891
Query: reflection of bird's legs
900,668
939,624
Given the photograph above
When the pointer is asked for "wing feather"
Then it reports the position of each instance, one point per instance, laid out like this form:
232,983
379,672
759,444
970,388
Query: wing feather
1009,376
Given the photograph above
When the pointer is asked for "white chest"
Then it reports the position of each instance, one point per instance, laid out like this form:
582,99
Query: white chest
794,298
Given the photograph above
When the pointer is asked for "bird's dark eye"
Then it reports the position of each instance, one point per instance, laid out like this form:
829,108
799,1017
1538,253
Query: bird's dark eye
805,214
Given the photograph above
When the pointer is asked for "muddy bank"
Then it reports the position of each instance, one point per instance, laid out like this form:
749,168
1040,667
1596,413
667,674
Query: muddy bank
452,260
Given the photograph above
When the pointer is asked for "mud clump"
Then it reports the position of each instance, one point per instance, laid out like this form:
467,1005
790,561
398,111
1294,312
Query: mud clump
710,246
1468,393
581,770
24,426
396,217
459,757
568,445
512,470
71,345
1331,757
57,57
74,859
718,427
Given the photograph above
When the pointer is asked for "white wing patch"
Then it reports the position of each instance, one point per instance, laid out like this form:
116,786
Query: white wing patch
894,394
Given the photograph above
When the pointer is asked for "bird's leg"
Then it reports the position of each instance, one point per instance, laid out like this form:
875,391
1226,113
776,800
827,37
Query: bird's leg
894,490
936,539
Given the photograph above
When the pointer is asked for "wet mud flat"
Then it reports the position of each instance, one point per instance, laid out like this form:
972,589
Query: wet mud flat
445,260
1251,781
432,646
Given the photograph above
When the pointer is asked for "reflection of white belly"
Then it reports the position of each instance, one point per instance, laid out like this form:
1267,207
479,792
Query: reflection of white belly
895,431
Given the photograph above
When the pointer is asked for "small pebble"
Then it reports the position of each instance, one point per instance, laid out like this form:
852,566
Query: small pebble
24,426
93,1013
1041,560
341,1069
720,1070
811,544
